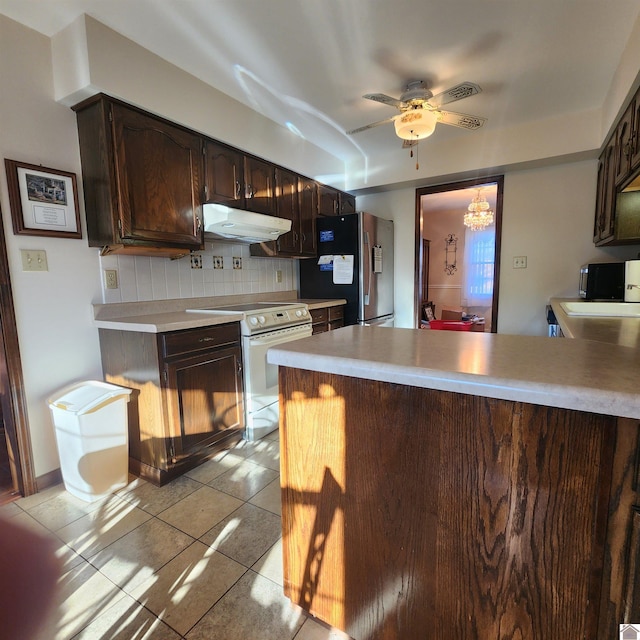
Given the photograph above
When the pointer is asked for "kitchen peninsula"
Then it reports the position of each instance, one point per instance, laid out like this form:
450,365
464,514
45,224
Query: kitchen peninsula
461,485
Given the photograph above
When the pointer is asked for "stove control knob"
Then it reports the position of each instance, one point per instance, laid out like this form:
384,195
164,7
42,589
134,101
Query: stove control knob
261,319
253,320
304,312
299,313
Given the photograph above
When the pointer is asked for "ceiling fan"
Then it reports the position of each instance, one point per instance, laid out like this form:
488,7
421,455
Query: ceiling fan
420,111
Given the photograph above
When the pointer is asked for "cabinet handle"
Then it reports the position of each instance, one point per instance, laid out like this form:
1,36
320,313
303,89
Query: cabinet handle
198,225
248,191
208,339
627,149
238,187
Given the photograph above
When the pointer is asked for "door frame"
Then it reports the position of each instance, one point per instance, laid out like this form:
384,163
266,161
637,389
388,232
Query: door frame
12,396
419,229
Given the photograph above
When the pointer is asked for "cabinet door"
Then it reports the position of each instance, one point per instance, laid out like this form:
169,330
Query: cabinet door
347,203
287,207
204,399
328,201
624,141
158,176
605,199
635,149
224,181
308,198
259,178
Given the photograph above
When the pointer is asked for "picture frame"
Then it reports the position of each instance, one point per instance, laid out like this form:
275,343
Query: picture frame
44,201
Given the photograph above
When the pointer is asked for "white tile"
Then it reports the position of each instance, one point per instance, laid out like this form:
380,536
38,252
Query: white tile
171,270
158,279
144,283
127,278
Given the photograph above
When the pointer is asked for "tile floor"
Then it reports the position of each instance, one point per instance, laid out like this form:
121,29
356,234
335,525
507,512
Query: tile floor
199,558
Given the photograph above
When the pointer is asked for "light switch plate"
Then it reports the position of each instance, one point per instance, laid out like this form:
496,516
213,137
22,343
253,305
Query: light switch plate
34,260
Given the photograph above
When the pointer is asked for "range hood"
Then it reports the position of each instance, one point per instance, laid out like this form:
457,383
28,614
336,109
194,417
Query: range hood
236,225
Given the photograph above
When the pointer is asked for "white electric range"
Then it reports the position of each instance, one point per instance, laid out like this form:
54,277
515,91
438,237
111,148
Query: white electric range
264,325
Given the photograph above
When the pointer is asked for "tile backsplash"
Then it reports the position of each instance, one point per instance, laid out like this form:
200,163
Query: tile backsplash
145,278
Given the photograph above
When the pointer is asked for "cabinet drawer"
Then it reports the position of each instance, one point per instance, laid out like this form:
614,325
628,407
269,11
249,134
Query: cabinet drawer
194,340
319,315
336,313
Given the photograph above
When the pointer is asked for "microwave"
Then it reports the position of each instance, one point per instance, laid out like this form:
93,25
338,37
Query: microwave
602,281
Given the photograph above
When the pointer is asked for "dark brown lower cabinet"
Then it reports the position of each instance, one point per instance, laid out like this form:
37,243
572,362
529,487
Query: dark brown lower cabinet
421,514
327,318
187,402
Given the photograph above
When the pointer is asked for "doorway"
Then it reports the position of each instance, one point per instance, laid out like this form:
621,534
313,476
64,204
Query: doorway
15,448
457,267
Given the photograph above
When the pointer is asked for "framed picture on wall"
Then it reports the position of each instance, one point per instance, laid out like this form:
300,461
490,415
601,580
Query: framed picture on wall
44,201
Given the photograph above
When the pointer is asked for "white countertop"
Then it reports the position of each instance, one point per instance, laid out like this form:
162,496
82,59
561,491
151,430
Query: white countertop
158,316
571,374
621,331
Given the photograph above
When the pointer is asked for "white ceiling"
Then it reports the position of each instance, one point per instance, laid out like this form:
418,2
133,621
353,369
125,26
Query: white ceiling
308,62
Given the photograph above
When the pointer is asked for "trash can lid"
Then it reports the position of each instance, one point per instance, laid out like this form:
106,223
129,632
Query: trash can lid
84,397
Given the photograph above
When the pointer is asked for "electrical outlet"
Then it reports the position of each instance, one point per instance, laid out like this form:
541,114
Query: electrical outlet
34,260
196,261
218,262
278,275
237,263
110,278
520,262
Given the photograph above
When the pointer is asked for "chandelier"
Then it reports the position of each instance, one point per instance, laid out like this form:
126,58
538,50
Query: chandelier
478,215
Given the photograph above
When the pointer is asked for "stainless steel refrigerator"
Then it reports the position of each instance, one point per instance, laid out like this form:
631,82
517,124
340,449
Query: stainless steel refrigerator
355,262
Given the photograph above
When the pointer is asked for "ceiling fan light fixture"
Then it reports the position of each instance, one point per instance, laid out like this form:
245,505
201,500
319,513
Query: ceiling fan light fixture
415,124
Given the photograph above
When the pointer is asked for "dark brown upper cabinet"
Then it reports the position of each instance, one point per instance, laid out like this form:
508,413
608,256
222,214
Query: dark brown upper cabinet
328,201
332,202
287,206
617,218
308,200
606,196
296,200
145,180
142,179
239,180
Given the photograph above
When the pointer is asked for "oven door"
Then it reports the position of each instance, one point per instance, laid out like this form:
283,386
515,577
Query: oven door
260,376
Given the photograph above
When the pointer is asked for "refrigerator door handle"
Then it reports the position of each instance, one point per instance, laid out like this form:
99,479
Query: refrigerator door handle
366,270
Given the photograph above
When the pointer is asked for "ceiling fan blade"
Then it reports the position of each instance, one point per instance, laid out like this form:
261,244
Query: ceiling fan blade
381,97
461,120
369,126
460,91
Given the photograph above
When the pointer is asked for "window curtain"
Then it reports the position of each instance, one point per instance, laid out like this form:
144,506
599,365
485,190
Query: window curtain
479,250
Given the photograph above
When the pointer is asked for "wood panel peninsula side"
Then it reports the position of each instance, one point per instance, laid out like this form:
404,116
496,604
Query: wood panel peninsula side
444,484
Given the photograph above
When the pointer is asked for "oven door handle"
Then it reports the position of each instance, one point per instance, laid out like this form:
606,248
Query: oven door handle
277,338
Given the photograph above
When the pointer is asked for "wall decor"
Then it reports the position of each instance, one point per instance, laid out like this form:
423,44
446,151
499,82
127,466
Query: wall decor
44,201
450,250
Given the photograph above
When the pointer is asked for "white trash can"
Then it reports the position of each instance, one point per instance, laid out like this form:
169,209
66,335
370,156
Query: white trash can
90,420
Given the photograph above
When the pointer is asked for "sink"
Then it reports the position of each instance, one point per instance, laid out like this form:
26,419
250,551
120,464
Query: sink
602,309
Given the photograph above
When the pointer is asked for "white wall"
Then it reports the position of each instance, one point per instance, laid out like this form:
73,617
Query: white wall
58,343
547,216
